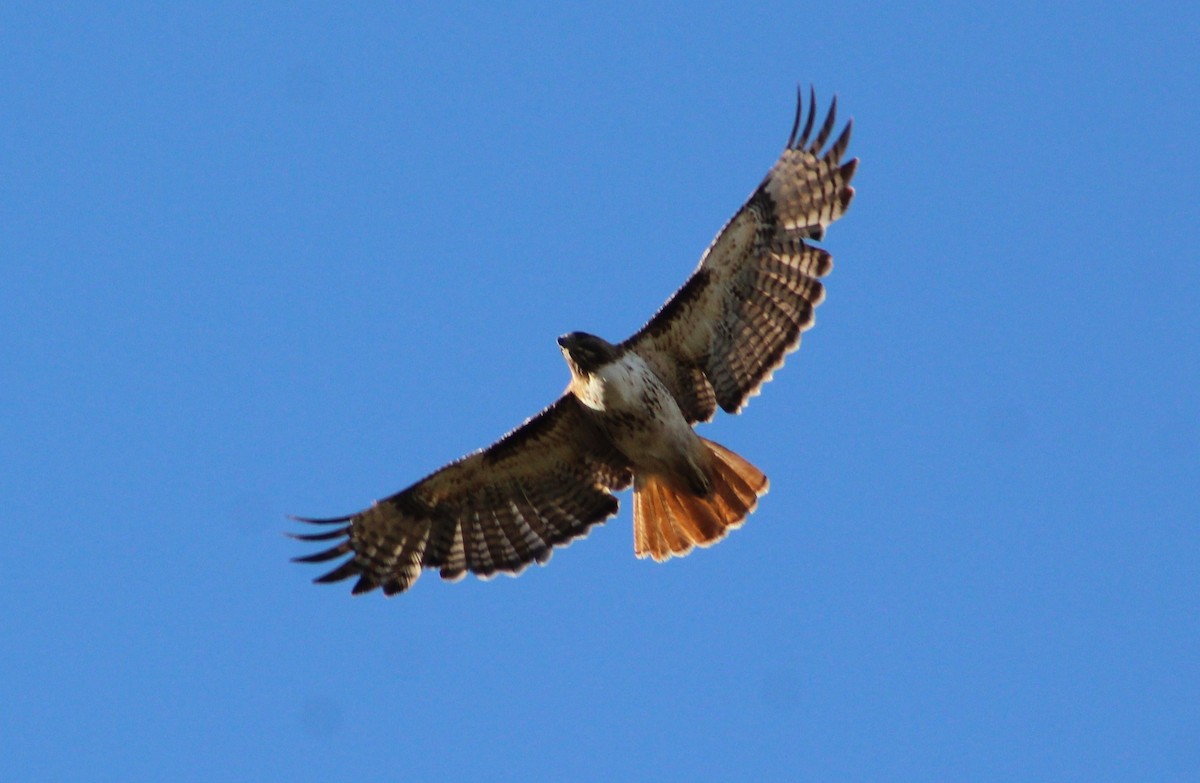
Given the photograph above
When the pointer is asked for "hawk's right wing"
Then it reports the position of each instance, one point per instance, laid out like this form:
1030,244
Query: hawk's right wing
497,510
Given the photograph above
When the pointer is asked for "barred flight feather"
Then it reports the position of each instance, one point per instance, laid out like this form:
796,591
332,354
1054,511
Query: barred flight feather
756,287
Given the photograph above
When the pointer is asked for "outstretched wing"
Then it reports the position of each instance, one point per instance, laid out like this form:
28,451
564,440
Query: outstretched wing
720,337
497,510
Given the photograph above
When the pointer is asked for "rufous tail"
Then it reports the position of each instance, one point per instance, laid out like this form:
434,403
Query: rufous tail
669,522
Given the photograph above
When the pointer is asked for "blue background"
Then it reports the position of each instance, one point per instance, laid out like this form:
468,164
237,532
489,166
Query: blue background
259,259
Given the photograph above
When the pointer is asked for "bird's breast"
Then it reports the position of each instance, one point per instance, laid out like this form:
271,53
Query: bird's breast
627,385
641,416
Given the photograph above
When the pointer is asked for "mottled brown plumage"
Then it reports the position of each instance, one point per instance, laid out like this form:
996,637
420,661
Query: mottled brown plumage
493,511
627,415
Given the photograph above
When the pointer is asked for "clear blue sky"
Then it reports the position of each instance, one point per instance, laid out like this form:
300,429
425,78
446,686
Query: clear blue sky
260,259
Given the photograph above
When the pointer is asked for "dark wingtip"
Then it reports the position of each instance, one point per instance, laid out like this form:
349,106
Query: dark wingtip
826,127
799,112
838,148
365,584
344,571
347,569
329,536
321,521
325,554
808,123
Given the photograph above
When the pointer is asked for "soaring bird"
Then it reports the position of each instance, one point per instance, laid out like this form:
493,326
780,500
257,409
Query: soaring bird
628,414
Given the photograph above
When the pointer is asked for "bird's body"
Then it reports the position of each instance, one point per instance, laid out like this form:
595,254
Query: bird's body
639,415
629,412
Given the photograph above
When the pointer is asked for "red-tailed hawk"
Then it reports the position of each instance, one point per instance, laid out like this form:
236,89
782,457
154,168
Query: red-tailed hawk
627,415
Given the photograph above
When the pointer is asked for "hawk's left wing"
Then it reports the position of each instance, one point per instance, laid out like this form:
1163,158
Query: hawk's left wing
497,510
719,338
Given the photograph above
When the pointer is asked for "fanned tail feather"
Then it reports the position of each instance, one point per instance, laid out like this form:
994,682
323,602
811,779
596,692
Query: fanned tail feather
669,522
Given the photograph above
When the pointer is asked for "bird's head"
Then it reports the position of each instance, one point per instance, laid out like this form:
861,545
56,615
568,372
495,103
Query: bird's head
585,353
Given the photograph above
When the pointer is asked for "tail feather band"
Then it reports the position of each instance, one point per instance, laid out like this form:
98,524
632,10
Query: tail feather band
670,522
